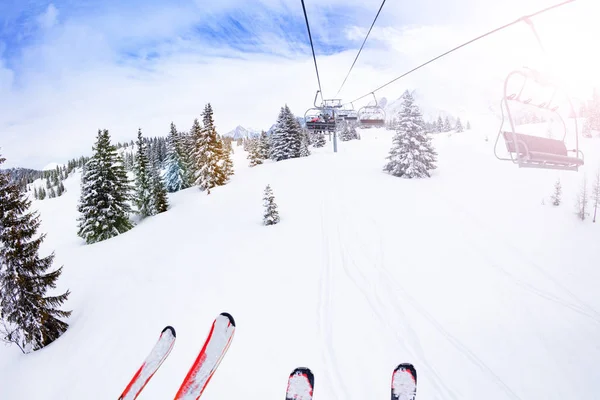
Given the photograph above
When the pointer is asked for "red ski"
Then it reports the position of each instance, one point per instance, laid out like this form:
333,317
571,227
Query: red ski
301,385
209,358
404,382
159,353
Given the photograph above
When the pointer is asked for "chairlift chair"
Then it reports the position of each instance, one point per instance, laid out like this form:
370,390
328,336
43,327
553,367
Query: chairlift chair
320,118
529,151
371,116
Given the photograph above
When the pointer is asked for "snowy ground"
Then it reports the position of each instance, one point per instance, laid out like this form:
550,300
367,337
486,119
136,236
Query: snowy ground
489,293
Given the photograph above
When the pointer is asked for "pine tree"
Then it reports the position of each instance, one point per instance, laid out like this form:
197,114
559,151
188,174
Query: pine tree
52,192
582,201
160,202
412,154
447,127
225,162
596,194
440,124
105,194
143,199
35,193
286,139
42,193
264,146
319,139
459,127
209,168
254,152
271,215
30,319
468,125
176,174
556,196
304,150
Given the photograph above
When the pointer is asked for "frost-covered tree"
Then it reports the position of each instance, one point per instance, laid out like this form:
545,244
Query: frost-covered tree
225,161
264,145
208,153
254,152
596,194
556,196
412,154
468,125
105,193
143,199
581,201
440,124
160,201
447,126
286,140
271,215
30,318
176,177
304,151
319,139
459,128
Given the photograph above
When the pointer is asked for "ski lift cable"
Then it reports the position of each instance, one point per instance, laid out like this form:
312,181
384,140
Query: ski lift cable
524,18
361,47
313,49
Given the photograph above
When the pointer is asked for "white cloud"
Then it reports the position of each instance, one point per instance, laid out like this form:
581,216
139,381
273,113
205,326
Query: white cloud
74,82
48,18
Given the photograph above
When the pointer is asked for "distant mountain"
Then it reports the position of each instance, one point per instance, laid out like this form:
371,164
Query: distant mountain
242,133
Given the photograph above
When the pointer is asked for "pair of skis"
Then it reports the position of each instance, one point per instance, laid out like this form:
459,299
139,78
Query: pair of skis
210,356
301,383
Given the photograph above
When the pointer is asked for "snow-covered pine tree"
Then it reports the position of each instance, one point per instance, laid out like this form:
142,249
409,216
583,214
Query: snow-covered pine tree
105,193
175,174
225,162
581,201
160,202
280,143
440,124
271,215
143,199
304,150
343,131
596,194
319,139
264,145
447,126
412,154
468,125
556,196
254,152
35,193
294,133
30,319
207,152
459,128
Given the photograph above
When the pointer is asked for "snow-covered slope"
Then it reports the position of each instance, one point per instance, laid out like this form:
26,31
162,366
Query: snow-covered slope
489,293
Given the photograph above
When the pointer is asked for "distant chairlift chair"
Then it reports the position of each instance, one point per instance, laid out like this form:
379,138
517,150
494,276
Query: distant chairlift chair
322,118
371,116
528,151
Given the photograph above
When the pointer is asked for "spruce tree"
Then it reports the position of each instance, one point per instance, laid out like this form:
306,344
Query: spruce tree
412,154
556,196
176,174
143,199
271,215
286,139
30,318
254,152
264,146
105,193
319,139
447,127
209,168
440,124
304,150
468,125
35,193
225,162
459,127
160,202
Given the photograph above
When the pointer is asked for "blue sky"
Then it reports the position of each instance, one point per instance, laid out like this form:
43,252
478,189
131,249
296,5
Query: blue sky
71,67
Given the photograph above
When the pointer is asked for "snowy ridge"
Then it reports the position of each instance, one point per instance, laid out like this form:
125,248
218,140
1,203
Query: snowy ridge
465,274
242,133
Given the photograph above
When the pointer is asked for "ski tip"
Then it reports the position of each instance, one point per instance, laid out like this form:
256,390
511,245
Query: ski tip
169,328
407,367
229,317
304,371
